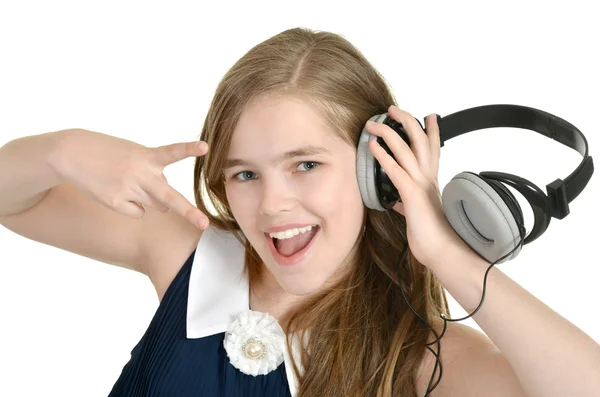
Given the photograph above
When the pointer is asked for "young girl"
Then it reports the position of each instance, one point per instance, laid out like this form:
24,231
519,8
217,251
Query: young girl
280,282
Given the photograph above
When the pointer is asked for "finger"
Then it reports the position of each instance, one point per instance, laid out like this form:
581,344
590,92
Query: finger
399,177
144,198
128,208
433,133
149,200
404,156
177,202
418,139
172,153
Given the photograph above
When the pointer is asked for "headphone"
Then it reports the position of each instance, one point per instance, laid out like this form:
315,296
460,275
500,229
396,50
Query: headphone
478,206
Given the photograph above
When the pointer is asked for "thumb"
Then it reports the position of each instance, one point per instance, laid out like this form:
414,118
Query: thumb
169,154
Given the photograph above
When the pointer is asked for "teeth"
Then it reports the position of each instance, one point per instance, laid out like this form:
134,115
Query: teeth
291,232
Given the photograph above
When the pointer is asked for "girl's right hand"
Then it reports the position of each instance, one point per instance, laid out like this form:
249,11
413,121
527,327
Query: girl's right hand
123,175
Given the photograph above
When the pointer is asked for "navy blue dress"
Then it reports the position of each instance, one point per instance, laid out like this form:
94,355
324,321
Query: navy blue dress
166,363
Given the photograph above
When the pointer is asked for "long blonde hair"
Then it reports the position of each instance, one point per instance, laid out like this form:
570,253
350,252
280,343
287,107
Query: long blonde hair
364,340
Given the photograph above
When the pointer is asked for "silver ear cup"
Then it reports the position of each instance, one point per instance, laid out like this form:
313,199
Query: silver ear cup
365,167
481,217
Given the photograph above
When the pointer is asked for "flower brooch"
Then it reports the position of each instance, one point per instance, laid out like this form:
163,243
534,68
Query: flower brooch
254,343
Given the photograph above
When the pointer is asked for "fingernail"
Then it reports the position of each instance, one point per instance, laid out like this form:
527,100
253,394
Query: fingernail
201,223
202,145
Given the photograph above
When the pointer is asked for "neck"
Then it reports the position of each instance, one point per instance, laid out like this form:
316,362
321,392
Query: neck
269,297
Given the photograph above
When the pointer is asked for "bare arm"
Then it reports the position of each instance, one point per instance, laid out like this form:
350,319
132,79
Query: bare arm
25,175
91,212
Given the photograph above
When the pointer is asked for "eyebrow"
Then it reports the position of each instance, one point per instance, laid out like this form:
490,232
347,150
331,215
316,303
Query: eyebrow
303,151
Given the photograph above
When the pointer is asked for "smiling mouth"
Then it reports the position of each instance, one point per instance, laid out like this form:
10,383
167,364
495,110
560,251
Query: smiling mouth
293,247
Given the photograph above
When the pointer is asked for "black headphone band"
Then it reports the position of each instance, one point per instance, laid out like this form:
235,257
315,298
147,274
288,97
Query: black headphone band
560,192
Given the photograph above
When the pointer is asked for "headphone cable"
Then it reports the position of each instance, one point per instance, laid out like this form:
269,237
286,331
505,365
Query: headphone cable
443,317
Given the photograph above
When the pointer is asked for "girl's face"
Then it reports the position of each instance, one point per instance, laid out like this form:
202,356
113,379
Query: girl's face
286,166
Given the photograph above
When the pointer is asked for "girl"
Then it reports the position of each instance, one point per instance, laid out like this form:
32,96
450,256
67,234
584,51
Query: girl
280,282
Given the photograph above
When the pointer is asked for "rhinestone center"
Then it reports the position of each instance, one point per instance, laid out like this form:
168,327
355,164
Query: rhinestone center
254,349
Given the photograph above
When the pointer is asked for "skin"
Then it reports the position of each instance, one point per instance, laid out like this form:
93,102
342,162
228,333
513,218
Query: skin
303,189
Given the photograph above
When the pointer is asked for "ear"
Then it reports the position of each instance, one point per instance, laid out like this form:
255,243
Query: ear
399,208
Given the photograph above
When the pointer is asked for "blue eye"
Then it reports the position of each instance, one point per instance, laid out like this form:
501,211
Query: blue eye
245,173
312,165
316,165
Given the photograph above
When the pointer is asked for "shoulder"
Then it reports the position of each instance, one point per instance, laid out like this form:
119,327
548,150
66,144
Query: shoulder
168,247
472,366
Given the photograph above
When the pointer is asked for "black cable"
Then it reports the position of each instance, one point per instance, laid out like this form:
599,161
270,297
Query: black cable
443,317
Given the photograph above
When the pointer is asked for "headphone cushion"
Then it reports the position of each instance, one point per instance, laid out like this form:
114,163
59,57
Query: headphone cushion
480,216
365,168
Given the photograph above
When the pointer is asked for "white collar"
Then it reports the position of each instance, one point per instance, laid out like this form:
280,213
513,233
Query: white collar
218,291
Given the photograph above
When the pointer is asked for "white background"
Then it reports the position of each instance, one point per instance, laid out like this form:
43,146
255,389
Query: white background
147,72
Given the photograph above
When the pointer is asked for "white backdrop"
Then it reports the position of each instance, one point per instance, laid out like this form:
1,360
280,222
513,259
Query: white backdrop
147,73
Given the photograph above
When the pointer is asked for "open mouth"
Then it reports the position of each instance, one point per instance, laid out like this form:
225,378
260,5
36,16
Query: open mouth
290,251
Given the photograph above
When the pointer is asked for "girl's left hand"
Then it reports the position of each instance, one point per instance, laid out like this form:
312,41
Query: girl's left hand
414,173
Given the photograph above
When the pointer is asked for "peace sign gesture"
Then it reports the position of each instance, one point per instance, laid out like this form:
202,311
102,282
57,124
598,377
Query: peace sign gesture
125,176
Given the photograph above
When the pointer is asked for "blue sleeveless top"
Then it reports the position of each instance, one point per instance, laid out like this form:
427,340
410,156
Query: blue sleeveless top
182,352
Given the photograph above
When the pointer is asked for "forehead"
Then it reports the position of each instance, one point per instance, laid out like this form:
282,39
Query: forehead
275,124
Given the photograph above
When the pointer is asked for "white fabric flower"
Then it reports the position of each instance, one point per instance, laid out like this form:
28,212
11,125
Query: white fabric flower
255,343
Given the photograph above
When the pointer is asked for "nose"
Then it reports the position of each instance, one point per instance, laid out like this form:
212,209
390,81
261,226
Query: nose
276,196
